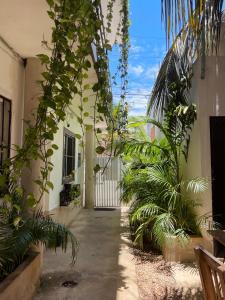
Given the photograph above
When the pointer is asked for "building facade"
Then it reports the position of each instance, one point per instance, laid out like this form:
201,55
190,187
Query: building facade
24,25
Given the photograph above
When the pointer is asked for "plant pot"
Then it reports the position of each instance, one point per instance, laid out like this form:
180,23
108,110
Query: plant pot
23,282
174,251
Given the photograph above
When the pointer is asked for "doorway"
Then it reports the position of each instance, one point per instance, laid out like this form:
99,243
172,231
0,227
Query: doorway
217,139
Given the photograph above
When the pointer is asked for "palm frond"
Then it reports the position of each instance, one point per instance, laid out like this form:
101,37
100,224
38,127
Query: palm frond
158,175
164,225
196,185
146,211
32,229
141,232
199,16
173,80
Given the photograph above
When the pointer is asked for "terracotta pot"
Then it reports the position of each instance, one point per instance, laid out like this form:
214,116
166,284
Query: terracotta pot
23,282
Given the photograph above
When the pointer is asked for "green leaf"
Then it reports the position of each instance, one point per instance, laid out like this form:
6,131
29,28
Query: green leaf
49,153
17,207
54,146
86,114
43,58
51,13
99,130
87,64
50,185
79,120
7,198
50,2
97,168
39,182
100,150
78,136
85,99
2,181
31,202
16,221
19,191
95,87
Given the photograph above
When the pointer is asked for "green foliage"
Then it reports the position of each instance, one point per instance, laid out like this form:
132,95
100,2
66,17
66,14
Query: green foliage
18,232
75,192
203,18
97,168
162,202
100,149
66,70
77,23
173,81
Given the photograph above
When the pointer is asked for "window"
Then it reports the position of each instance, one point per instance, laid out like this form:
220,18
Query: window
68,155
5,124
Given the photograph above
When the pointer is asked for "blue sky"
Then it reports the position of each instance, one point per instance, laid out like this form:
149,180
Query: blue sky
148,47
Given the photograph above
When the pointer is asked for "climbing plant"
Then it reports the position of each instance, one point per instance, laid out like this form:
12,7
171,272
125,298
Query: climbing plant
77,26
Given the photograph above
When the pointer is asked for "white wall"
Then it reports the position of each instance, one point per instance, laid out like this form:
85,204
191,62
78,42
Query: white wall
57,160
11,87
75,128
19,85
209,95
32,91
117,5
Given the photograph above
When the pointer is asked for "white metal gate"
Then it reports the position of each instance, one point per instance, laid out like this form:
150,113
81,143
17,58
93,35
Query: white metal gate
107,182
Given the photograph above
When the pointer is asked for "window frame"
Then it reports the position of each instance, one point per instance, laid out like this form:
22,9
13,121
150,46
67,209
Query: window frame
4,100
67,178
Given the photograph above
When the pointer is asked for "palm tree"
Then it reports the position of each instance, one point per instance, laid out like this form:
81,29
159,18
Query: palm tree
163,201
174,78
195,30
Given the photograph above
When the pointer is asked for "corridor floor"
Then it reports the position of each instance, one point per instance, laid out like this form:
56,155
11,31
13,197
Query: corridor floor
105,268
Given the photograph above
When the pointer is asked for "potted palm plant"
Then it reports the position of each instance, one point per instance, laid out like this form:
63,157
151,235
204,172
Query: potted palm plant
164,205
21,234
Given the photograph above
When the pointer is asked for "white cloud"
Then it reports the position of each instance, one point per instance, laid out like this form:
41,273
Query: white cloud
152,72
137,97
137,100
136,70
135,49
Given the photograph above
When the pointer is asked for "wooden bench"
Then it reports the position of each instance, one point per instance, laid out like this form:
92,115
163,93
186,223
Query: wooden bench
212,273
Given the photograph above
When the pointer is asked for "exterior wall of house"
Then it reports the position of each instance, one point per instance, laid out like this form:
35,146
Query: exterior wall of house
32,91
209,96
56,176
11,87
117,5
71,123
18,83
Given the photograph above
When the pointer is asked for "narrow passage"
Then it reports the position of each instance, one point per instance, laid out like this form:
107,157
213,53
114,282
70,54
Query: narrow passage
105,268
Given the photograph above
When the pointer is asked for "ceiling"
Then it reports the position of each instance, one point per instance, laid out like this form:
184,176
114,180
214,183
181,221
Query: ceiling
24,24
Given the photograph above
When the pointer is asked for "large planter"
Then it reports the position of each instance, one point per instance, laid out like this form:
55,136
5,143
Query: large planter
173,250
23,282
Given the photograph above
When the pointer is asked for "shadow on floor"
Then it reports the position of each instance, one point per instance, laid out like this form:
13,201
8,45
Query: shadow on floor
183,294
97,275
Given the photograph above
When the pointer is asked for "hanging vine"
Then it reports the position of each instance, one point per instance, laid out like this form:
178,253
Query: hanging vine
77,25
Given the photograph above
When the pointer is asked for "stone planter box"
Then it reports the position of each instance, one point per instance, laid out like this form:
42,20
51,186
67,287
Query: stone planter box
174,251
23,282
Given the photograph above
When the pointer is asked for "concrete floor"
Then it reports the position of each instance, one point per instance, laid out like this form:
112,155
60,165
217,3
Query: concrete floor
104,270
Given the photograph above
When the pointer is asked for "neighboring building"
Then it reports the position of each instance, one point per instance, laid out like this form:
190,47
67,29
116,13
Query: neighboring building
23,24
207,146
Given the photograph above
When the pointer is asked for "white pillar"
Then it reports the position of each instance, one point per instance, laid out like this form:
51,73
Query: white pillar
32,91
89,167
